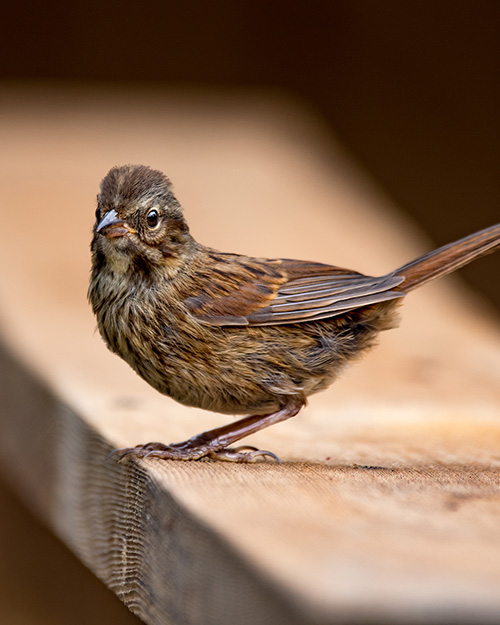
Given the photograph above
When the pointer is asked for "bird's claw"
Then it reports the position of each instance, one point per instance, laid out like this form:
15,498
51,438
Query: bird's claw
141,451
236,454
183,451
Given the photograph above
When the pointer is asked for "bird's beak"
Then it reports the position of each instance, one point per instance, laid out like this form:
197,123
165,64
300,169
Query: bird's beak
112,226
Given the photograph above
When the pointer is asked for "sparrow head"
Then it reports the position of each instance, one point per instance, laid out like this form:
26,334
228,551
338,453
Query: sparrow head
139,222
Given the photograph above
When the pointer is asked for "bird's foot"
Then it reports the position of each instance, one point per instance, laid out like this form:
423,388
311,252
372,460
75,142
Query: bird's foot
193,450
216,443
237,454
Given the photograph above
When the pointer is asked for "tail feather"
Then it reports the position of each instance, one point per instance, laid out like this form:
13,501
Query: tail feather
448,258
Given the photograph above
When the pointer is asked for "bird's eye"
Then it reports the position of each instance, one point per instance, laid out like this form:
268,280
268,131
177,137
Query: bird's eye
152,218
97,213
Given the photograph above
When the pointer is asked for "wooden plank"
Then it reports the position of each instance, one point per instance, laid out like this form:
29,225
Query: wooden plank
42,582
387,505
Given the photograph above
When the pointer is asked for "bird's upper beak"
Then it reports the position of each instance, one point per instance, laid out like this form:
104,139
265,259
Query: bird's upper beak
112,226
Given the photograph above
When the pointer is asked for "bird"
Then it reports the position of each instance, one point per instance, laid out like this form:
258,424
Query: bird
231,333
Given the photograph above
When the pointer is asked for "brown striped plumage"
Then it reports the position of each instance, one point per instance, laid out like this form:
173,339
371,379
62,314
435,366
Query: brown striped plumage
232,333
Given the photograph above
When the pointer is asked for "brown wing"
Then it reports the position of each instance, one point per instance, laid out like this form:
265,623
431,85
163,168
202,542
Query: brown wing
249,291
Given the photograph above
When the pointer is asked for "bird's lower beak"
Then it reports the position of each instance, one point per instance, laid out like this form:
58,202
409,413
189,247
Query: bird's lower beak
112,226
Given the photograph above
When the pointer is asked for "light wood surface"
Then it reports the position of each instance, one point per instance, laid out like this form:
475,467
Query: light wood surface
387,505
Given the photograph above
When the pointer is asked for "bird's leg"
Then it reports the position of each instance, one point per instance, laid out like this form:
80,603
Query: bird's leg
215,443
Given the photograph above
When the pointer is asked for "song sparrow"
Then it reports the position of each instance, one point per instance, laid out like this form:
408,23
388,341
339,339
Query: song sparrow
231,333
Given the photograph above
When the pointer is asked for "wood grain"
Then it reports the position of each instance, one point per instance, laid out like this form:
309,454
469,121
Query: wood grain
387,505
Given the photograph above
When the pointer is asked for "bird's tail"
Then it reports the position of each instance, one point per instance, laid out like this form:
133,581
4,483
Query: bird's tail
448,258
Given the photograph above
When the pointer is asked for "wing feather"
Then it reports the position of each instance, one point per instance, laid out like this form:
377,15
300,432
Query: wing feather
268,292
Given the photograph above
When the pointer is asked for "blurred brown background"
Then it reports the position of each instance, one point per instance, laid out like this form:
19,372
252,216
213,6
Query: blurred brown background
412,89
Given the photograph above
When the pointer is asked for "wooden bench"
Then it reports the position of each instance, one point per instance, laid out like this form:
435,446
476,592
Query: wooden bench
387,505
